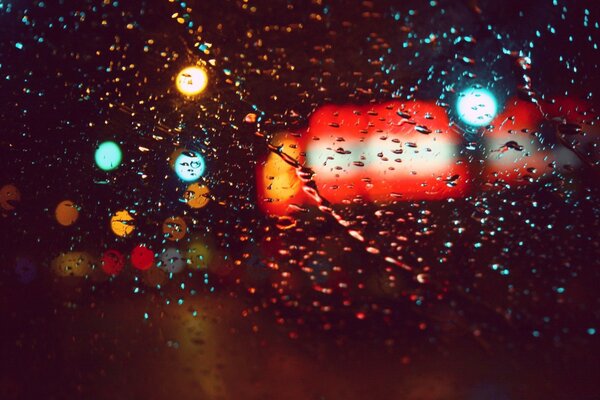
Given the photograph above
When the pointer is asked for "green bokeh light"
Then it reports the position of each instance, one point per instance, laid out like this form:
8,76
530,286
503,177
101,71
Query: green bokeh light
108,156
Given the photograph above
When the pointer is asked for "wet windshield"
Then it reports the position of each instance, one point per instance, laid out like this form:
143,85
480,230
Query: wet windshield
299,199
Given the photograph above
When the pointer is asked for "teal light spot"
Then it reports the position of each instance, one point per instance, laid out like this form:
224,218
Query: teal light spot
190,166
108,156
476,106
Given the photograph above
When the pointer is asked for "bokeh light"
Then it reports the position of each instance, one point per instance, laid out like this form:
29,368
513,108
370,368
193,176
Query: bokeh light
122,223
189,166
174,228
25,270
66,213
191,81
171,260
196,195
198,254
108,156
154,277
112,262
74,263
142,257
8,195
476,106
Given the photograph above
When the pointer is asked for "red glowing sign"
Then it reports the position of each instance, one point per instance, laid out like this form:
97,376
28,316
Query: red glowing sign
406,151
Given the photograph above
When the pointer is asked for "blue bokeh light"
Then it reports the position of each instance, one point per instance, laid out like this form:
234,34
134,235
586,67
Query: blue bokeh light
108,156
476,106
190,166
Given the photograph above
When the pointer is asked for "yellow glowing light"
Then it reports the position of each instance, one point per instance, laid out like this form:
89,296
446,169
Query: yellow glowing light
198,254
122,223
75,263
279,178
196,195
66,213
191,81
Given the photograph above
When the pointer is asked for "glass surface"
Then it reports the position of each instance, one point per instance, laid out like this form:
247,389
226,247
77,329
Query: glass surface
320,199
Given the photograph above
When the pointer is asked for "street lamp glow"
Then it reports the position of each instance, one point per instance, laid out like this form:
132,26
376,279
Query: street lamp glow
108,156
476,106
191,81
189,166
